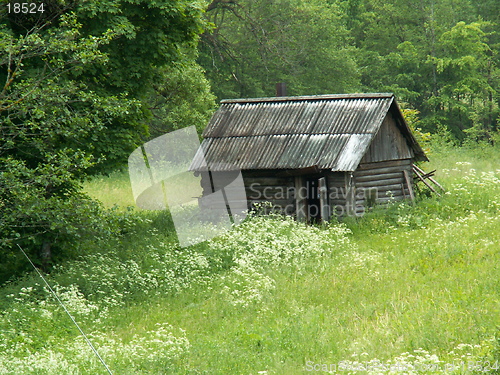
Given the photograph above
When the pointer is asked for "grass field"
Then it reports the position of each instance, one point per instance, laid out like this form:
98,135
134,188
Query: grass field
412,287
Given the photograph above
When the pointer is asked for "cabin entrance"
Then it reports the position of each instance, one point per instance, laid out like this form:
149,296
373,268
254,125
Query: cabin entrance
313,201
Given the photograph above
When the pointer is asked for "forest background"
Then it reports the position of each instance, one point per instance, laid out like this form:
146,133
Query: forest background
83,83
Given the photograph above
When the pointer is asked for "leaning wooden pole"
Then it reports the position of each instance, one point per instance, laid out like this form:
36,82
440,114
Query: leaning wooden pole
425,182
430,178
409,184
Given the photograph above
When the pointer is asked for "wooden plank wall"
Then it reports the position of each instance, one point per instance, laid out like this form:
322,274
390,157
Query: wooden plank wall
381,182
260,186
264,186
337,193
388,144
370,184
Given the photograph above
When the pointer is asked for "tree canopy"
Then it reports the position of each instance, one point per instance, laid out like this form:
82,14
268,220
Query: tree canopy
440,57
75,100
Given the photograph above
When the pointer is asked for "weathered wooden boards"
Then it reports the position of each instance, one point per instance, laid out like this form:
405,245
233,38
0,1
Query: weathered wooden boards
422,176
384,181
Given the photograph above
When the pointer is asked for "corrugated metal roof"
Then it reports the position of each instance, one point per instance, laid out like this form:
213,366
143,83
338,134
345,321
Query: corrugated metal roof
328,131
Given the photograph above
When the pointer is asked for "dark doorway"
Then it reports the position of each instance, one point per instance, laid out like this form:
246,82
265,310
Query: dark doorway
313,201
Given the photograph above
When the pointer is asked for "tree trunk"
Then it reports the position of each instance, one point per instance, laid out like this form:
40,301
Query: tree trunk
46,256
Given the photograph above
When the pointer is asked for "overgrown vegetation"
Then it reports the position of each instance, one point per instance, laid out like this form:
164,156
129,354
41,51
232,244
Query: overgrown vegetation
86,82
79,84
407,285
439,56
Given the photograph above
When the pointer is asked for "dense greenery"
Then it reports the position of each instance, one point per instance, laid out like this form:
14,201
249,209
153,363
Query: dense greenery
409,285
79,86
441,57
85,82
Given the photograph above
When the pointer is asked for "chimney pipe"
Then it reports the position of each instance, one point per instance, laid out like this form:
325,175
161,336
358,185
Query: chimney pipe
281,89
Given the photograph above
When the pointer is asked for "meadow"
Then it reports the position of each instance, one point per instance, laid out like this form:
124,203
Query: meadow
407,289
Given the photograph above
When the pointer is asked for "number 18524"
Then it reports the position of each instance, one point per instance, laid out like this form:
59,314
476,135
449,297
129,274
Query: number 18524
25,8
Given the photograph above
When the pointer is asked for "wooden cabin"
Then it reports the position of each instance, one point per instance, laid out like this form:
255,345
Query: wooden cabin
312,156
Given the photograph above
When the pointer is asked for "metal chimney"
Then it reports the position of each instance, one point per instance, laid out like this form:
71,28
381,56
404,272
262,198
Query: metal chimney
281,89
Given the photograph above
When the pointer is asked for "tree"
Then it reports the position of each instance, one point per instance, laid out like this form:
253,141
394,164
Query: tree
72,104
257,43
181,98
465,70
436,56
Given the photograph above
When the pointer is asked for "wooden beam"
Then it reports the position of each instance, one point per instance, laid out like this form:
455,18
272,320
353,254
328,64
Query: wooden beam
409,184
382,164
371,177
313,169
431,179
300,202
425,182
378,171
350,189
323,200
376,183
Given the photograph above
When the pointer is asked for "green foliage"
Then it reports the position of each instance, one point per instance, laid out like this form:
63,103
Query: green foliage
153,34
44,117
256,44
411,117
31,333
468,190
411,285
441,57
75,82
263,245
181,98
437,56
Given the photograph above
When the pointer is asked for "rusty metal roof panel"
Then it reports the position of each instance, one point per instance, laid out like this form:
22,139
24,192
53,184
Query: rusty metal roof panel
330,131
330,154
351,154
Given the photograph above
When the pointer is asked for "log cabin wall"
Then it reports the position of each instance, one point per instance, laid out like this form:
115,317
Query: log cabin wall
349,193
382,182
260,186
266,186
385,171
388,143
337,184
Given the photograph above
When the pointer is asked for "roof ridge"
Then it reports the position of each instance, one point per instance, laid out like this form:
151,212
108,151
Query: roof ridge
287,134
310,97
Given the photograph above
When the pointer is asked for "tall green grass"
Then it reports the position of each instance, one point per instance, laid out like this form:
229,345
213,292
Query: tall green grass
112,190
408,285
